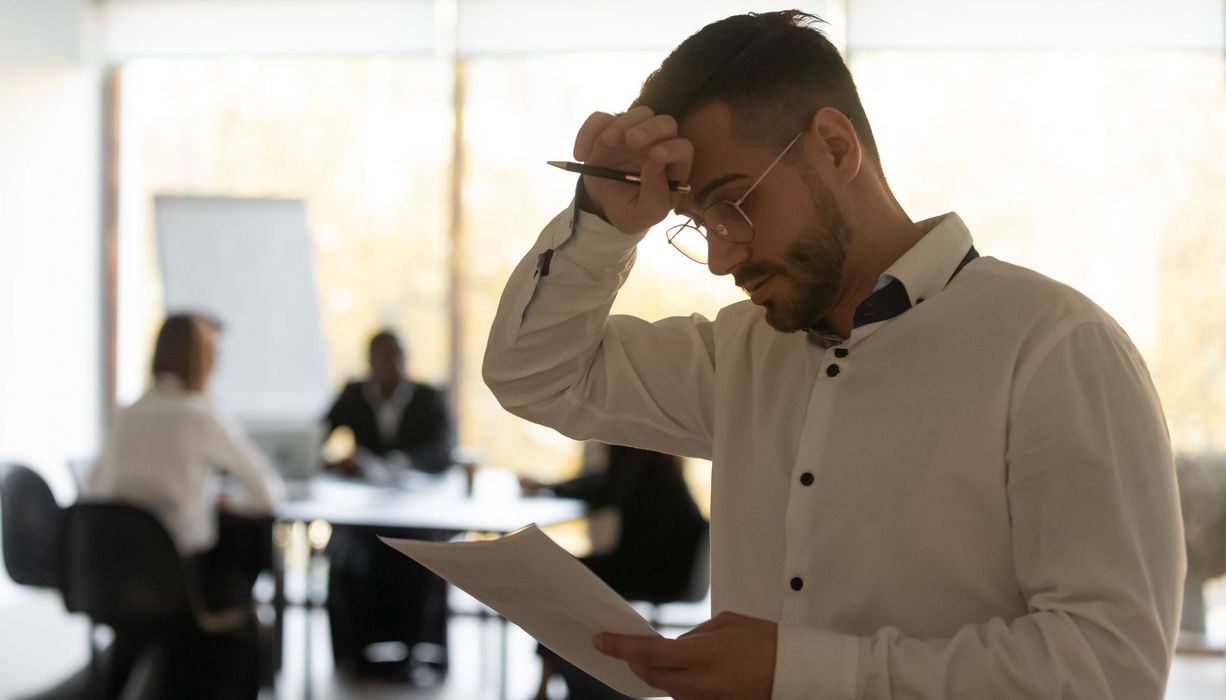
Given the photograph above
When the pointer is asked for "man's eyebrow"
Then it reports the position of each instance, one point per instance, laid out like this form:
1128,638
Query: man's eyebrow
700,197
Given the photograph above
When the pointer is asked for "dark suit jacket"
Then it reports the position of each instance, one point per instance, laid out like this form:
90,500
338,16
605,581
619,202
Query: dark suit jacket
425,434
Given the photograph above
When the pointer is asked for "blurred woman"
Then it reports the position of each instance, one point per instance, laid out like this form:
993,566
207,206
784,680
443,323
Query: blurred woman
166,453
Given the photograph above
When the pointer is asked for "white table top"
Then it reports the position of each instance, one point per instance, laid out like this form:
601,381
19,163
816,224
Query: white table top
427,502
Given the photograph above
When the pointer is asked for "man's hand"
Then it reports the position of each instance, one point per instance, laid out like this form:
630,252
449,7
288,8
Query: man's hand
637,141
357,464
346,467
731,656
530,486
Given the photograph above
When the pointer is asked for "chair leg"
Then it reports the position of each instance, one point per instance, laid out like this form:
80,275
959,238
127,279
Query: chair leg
97,669
542,691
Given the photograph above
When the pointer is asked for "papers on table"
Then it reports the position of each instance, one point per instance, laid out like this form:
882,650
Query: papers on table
536,584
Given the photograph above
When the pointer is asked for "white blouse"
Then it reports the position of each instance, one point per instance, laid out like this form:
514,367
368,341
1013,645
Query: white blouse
164,452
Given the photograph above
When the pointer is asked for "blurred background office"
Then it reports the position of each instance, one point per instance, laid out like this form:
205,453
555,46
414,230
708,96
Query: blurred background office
397,148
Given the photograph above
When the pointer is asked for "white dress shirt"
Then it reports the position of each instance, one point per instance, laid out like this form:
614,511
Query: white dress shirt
388,411
973,498
164,451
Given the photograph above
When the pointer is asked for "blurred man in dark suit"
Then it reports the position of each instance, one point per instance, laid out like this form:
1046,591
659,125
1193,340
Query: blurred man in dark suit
375,594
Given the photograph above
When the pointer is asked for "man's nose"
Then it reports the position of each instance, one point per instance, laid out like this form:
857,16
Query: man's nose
724,256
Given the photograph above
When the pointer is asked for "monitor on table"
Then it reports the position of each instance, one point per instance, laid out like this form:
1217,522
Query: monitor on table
292,446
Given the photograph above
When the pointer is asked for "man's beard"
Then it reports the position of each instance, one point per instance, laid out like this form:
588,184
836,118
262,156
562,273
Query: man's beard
813,264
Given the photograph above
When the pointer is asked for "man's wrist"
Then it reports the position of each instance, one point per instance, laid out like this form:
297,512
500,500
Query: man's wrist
584,203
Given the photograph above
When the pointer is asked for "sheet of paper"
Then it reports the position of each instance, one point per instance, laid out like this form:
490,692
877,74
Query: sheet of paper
536,584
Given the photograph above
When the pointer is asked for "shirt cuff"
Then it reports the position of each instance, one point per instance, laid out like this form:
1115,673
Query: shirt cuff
814,664
595,243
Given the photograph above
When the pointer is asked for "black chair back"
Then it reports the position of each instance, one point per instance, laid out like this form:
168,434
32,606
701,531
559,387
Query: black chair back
31,523
700,575
121,568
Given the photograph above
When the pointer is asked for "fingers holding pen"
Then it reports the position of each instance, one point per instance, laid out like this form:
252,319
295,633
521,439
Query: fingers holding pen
668,160
631,133
615,133
602,129
640,142
591,130
676,155
654,129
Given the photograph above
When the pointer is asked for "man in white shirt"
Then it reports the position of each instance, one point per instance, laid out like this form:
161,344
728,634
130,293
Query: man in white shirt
936,475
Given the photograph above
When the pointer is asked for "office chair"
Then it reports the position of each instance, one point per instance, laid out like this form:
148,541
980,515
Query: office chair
696,587
31,522
1202,497
121,569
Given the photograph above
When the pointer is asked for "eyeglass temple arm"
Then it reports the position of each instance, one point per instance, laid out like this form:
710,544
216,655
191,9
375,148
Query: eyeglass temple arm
769,168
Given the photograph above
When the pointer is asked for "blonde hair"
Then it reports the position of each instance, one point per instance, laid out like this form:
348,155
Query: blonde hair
181,349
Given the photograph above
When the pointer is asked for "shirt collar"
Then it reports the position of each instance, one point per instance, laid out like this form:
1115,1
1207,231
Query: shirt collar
400,397
169,383
922,271
931,263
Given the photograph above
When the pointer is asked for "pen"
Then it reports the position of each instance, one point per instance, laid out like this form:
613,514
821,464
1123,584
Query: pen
610,173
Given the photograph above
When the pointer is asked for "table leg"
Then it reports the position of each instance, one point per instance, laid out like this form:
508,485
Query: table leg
280,603
504,640
308,610
291,552
308,681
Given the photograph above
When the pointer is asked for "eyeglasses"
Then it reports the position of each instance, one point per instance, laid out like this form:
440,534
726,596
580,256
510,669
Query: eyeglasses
727,219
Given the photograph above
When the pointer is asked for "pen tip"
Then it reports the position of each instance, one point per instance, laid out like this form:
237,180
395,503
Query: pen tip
557,163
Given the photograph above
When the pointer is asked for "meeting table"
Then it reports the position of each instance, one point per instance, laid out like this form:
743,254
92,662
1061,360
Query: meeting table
481,503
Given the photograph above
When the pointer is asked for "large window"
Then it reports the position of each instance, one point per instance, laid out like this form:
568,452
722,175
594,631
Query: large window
518,114
1101,169
364,141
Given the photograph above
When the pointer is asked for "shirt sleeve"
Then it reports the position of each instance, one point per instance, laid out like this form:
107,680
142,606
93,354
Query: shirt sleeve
228,449
335,417
556,357
101,478
1097,542
434,438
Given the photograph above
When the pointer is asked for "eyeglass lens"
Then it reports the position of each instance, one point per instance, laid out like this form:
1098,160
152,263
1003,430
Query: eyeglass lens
724,218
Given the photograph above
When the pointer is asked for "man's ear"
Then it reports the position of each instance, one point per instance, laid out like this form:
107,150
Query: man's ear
834,146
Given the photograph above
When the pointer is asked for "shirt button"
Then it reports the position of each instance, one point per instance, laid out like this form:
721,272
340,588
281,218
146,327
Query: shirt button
806,479
832,371
840,352
797,583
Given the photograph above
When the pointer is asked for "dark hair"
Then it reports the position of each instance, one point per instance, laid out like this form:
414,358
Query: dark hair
180,349
386,335
774,70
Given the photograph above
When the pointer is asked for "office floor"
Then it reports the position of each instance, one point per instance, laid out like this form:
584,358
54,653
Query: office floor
40,643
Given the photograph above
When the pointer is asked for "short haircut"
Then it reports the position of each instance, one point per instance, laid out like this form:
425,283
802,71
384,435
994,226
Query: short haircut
774,70
179,350
385,335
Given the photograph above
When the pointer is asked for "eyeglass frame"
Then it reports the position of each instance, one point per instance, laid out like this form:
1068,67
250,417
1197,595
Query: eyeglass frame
674,231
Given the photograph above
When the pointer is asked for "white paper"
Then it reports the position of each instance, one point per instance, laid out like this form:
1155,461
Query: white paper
552,596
